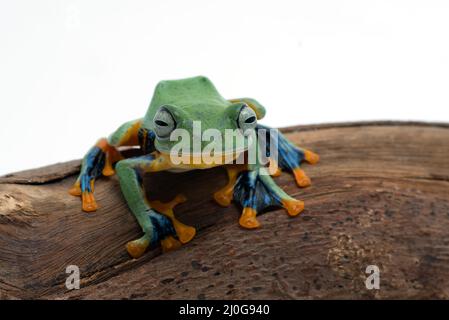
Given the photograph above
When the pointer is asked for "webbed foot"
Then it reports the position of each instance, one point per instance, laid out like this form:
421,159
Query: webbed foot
255,192
159,229
89,203
184,232
137,247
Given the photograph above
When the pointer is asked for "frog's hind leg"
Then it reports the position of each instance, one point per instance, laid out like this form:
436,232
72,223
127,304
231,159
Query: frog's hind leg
256,191
224,196
290,157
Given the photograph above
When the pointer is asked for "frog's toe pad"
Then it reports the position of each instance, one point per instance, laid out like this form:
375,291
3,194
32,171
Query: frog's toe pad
302,180
248,219
137,247
277,172
108,171
185,233
89,203
293,206
75,190
223,198
311,157
170,244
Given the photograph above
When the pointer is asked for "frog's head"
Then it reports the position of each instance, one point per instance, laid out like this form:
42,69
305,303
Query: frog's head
193,111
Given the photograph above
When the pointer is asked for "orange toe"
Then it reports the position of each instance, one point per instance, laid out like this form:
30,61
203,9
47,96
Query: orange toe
75,190
277,173
185,233
108,171
248,219
136,248
293,206
223,198
89,203
311,157
169,244
302,180
274,169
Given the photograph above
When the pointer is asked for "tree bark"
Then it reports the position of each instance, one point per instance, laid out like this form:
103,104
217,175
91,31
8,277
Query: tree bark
379,196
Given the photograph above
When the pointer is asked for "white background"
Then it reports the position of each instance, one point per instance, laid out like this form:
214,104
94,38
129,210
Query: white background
72,71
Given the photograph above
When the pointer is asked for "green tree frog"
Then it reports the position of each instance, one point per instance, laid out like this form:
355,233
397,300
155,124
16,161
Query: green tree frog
176,107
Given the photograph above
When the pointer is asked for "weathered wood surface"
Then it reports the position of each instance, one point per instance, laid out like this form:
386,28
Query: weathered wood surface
380,196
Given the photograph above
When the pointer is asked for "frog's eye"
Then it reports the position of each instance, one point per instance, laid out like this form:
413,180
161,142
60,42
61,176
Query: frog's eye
164,123
247,119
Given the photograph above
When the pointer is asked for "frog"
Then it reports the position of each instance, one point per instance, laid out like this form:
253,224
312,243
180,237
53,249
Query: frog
177,105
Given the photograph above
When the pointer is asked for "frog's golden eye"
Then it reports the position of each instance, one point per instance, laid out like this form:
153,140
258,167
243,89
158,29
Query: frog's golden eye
164,123
247,119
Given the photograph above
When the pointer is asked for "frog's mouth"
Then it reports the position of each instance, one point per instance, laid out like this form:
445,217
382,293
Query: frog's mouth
202,160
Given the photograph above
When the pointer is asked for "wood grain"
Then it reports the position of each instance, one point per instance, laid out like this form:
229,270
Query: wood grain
379,196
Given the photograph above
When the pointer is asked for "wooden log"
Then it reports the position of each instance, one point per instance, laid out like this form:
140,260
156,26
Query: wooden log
379,196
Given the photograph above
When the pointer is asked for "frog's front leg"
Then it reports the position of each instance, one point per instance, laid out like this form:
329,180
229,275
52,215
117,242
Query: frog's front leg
157,222
99,161
255,190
